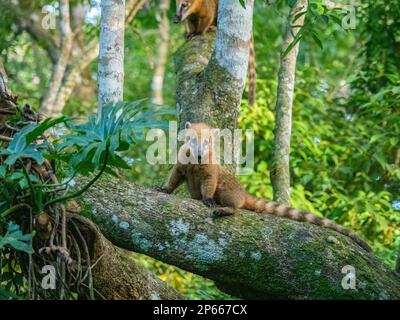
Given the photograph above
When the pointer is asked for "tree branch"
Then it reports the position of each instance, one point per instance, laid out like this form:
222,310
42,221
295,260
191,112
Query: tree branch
59,69
248,255
115,276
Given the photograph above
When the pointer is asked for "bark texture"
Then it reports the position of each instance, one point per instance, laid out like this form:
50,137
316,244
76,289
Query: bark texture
116,276
247,255
111,55
280,171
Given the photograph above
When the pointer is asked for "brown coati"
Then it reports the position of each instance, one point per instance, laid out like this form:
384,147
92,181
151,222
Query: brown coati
208,181
200,16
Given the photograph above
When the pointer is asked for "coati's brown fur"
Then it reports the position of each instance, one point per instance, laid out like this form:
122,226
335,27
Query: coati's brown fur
208,181
200,16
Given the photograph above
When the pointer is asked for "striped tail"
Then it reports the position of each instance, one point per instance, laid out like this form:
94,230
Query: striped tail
252,72
281,210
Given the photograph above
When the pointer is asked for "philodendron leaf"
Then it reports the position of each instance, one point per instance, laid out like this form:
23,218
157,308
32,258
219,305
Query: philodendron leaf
14,238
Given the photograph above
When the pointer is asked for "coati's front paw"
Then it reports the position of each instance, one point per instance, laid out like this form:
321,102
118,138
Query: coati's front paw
223,212
209,202
161,189
191,36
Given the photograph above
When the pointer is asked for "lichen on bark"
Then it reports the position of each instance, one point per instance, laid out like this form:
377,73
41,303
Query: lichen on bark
247,255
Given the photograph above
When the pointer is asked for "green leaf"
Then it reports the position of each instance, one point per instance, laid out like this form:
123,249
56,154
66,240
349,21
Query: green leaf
3,171
17,175
381,160
292,3
317,40
243,3
293,44
16,239
42,127
298,16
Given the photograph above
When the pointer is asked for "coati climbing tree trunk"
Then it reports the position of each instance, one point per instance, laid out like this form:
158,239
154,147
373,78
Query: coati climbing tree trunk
280,171
247,255
211,70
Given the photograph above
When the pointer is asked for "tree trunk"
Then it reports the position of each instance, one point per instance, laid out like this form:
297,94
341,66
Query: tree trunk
248,255
49,100
111,55
116,276
280,172
210,80
162,53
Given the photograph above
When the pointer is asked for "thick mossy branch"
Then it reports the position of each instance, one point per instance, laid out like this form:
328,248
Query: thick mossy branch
248,255
205,91
116,276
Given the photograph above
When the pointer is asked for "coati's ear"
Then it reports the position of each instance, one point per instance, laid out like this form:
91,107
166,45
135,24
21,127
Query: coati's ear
187,125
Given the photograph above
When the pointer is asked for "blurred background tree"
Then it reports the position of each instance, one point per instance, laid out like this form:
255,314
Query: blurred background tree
345,147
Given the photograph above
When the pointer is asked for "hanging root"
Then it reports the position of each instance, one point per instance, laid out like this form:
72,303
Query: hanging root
58,242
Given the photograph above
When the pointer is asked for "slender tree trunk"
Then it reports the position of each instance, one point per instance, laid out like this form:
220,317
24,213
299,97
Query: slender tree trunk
280,172
162,53
111,55
68,58
73,73
50,100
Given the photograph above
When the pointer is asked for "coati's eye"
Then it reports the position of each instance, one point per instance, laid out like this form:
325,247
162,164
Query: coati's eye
185,5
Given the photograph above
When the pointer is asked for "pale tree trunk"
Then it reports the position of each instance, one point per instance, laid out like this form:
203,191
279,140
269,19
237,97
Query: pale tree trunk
70,57
50,99
72,74
162,53
85,57
111,55
280,172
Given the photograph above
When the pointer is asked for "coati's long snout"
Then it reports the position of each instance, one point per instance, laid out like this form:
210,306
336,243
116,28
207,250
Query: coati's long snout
181,8
177,18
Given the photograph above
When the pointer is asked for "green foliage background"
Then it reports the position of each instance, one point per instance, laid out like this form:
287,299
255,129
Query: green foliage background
346,118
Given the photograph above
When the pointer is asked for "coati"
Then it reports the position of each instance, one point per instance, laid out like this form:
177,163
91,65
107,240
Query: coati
200,16
208,181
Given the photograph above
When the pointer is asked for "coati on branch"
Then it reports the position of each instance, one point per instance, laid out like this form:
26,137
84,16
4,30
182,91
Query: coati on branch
200,16
208,181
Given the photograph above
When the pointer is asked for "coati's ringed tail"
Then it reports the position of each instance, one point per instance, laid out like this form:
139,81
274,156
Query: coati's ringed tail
281,210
